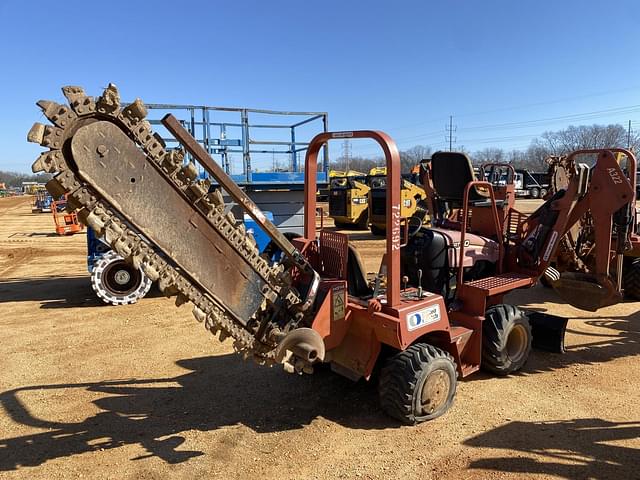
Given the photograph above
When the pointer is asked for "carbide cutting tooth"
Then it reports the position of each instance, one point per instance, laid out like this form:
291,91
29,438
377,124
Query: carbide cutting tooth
135,111
181,299
216,197
59,115
36,134
251,240
81,104
50,162
189,172
223,335
160,140
47,106
73,93
109,102
40,165
55,188
199,314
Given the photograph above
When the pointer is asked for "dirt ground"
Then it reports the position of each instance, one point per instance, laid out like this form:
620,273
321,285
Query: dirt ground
142,391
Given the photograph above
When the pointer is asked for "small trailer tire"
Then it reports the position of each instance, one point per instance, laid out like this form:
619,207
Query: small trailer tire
117,282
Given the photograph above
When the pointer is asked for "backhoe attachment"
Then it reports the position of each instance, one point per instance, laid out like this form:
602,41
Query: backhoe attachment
594,207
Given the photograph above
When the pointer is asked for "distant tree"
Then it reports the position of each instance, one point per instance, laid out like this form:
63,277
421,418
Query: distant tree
411,157
579,137
532,158
360,164
15,179
489,155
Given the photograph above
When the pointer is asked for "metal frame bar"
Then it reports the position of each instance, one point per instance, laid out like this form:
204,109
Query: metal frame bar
392,158
203,116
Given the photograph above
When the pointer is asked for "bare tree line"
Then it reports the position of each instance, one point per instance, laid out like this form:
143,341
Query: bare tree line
557,142
15,179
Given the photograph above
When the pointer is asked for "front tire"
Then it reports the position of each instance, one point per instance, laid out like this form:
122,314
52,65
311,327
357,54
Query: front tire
631,279
418,384
506,339
116,282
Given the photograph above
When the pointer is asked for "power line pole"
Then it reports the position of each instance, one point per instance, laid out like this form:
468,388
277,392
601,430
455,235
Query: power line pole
450,129
629,135
346,153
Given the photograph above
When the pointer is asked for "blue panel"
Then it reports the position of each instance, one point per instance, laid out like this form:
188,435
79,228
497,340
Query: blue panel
262,239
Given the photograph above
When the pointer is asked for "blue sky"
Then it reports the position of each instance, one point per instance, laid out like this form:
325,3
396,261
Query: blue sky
401,66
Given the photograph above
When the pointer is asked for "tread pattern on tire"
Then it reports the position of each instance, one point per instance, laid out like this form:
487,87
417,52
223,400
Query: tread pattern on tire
631,280
109,297
400,376
495,325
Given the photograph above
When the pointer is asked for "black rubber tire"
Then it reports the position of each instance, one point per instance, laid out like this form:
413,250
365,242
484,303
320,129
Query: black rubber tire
403,379
363,221
543,192
631,279
506,339
378,232
534,193
104,281
342,225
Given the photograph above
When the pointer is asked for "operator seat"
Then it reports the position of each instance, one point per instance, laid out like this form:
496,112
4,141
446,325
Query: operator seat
450,173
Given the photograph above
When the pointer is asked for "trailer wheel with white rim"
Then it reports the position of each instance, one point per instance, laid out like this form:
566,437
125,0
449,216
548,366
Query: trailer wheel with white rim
116,282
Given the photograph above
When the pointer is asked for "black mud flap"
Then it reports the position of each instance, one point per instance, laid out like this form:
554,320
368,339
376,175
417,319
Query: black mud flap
548,331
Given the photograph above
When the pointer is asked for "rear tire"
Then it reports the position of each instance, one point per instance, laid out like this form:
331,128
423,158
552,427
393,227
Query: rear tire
543,192
506,339
418,384
534,193
631,279
116,282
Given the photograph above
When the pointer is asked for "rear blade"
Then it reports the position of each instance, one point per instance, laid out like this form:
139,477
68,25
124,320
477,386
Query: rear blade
548,331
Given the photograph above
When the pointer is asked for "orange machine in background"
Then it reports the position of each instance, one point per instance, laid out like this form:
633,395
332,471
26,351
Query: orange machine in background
66,223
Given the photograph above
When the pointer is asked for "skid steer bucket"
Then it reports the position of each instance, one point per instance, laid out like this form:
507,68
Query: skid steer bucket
586,291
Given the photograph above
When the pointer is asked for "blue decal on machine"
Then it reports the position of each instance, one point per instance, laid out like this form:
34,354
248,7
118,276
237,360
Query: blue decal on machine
423,317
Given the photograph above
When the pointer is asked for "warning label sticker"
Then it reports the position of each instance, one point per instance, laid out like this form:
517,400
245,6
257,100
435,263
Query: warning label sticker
338,300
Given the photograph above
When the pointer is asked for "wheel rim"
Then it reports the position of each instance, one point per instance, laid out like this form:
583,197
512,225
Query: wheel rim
435,391
121,278
517,343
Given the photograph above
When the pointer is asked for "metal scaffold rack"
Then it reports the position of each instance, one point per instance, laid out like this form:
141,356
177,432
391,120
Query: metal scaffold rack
226,131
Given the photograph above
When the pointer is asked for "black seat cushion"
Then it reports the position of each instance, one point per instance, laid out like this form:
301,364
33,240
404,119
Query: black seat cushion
356,278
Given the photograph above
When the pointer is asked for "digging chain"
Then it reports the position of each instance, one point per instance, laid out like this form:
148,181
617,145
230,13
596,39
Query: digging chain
96,212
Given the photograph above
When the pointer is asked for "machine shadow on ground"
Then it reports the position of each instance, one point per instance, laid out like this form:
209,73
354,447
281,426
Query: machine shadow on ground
52,292
55,292
218,391
571,449
618,337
